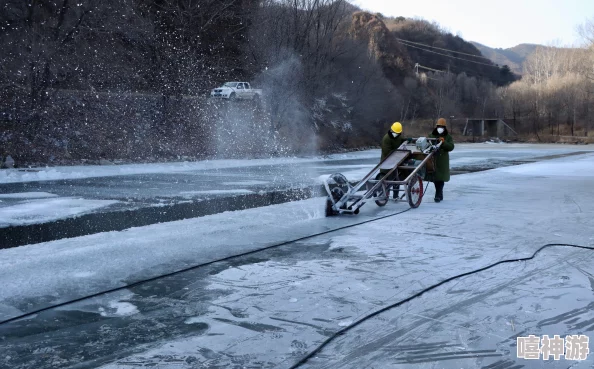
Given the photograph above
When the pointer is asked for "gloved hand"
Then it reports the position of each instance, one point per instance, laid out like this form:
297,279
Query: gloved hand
442,139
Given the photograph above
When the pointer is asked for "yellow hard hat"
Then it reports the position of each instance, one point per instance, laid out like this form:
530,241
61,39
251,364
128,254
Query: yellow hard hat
441,122
396,127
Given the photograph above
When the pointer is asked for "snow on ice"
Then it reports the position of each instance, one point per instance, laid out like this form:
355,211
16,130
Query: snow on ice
216,192
516,151
46,209
77,172
26,195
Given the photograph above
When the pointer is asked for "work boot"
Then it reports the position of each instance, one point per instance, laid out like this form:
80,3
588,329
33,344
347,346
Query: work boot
396,192
438,191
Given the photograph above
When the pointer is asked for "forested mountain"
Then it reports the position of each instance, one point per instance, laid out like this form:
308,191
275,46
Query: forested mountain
129,79
433,47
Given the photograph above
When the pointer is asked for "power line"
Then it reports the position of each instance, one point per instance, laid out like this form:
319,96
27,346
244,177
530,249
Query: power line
449,56
439,48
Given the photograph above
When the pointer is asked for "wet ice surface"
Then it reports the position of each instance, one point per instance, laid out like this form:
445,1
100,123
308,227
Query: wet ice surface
145,185
269,309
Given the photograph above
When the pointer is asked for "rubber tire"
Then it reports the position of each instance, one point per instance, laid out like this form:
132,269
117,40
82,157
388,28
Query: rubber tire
416,184
381,202
329,211
233,96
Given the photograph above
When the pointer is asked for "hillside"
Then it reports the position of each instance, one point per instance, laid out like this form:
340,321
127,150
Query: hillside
431,46
513,57
129,80
381,43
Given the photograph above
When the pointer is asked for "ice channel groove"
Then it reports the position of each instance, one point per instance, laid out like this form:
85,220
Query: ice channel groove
423,291
137,283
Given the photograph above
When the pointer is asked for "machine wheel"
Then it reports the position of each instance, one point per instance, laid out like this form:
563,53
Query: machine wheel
380,192
329,211
233,96
337,186
414,192
337,194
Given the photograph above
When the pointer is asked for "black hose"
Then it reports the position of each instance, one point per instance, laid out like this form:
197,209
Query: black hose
418,294
134,284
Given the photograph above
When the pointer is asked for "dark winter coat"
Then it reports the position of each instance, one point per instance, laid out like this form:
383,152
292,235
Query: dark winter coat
442,156
390,144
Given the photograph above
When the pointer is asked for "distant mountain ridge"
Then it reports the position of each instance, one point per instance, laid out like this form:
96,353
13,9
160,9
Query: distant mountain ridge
429,45
513,57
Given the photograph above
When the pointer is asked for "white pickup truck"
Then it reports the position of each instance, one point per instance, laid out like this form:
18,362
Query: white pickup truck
236,90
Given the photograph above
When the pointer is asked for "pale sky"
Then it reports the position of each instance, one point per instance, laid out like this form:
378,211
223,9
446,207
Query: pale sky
496,23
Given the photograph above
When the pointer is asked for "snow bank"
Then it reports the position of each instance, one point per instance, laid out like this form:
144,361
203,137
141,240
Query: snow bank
90,171
43,210
26,195
216,192
245,183
77,172
581,166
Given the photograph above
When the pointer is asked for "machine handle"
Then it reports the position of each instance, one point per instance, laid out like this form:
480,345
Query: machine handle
427,138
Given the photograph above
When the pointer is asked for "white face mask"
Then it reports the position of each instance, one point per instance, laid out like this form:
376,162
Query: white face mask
440,130
394,134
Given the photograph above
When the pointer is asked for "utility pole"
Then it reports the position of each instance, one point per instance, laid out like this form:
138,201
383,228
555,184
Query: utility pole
452,123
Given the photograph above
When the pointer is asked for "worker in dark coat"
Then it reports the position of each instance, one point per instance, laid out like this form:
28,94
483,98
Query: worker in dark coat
442,157
393,140
390,142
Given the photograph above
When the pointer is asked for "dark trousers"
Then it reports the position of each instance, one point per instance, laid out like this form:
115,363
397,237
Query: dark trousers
394,177
439,189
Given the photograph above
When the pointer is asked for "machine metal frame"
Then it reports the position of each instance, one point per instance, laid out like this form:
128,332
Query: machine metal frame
383,179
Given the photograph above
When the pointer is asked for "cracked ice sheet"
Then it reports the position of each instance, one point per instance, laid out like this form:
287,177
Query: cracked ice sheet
475,201
326,294
274,307
46,209
459,325
95,262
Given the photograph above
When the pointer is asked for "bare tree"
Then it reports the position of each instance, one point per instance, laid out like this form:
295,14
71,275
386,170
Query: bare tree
443,85
38,42
309,59
586,31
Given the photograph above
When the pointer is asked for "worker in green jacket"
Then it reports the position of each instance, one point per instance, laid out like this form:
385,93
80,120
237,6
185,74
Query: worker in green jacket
393,140
390,142
442,157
